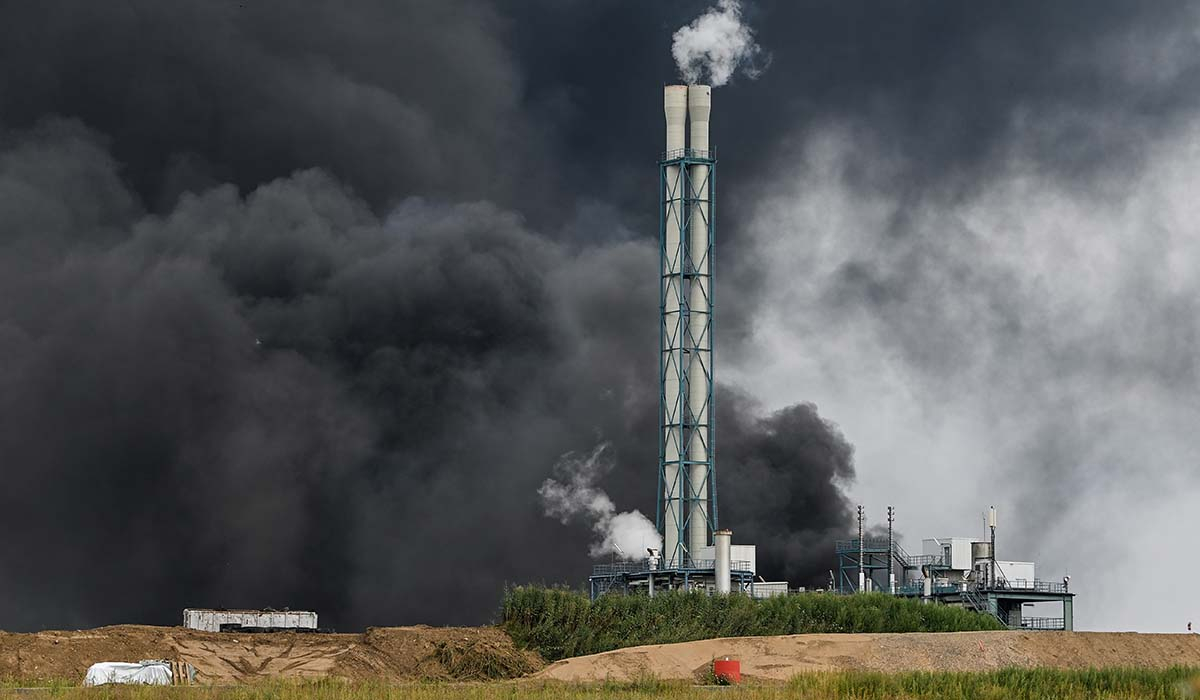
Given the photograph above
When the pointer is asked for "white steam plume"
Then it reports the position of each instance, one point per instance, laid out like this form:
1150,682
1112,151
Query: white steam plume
717,44
574,495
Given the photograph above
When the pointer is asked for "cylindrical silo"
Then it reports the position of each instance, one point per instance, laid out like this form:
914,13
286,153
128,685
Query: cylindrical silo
699,104
721,565
675,109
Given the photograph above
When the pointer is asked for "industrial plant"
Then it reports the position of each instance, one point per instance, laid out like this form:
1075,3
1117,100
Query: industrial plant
697,554
960,571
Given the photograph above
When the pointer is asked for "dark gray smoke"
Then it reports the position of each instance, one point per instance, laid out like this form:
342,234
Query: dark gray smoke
808,462
300,302
284,398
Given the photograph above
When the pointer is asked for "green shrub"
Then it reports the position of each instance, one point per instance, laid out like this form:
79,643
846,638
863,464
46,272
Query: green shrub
559,623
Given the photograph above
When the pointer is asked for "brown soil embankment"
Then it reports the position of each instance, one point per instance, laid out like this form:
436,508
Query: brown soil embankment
780,658
398,654
383,654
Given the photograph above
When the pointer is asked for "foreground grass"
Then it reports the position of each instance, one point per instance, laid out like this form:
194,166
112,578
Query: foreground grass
1042,684
560,623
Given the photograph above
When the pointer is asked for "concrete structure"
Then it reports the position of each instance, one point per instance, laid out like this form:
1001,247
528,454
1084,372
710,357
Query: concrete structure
698,341
248,620
673,500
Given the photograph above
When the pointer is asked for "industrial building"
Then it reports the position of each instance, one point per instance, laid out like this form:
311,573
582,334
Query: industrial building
961,571
696,554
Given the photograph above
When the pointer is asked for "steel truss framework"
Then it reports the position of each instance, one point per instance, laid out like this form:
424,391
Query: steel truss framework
683,335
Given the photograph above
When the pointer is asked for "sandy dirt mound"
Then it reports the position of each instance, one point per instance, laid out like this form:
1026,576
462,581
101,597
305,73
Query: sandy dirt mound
385,654
780,658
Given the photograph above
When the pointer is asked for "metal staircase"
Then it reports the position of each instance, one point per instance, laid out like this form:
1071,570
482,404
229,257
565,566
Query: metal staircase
973,600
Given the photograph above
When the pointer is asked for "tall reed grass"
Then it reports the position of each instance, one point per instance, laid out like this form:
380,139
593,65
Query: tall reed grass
560,623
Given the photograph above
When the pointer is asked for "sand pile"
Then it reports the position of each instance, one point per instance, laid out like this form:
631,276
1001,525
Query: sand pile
780,658
384,654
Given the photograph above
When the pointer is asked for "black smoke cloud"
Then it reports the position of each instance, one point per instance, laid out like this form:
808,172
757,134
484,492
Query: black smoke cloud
299,302
808,462
285,398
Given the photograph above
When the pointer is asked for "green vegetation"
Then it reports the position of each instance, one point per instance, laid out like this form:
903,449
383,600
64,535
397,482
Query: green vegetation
1007,685
559,623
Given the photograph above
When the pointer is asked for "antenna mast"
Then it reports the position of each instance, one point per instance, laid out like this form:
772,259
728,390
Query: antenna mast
992,527
890,553
862,577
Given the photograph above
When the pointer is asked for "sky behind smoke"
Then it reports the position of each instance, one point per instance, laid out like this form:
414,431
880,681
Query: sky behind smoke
301,303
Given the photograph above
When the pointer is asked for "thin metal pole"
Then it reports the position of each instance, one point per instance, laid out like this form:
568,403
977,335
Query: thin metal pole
891,549
992,577
861,571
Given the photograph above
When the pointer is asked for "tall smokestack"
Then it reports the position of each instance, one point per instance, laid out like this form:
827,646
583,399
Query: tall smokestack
673,487
699,103
687,512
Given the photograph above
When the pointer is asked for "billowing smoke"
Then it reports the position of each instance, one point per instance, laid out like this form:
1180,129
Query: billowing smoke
574,495
284,398
299,302
807,463
716,45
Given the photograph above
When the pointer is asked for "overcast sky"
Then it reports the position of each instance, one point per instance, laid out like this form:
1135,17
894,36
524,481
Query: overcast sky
300,302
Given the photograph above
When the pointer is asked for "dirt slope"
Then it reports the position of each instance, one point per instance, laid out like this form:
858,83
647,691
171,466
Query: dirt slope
458,653
385,653
780,658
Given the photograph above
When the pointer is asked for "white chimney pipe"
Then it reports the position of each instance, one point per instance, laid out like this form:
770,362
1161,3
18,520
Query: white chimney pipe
699,101
722,566
675,109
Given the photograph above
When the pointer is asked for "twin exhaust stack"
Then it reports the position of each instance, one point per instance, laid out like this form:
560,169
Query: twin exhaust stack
680,102
687,516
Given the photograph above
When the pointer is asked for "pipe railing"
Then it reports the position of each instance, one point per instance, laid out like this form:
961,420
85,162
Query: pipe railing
642,567
1042,623
875,545
1037,586
686,154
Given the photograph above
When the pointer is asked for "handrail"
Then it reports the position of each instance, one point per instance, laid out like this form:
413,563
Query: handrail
869,543
1037,586
686,154
643,567
1042,623
875,545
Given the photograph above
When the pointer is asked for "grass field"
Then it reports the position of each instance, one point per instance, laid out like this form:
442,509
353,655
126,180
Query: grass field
1010,684
560,623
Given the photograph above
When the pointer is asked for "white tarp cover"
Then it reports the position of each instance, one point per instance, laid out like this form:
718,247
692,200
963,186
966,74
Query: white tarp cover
141,673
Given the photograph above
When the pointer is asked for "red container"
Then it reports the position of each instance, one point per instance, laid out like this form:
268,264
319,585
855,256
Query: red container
727,670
